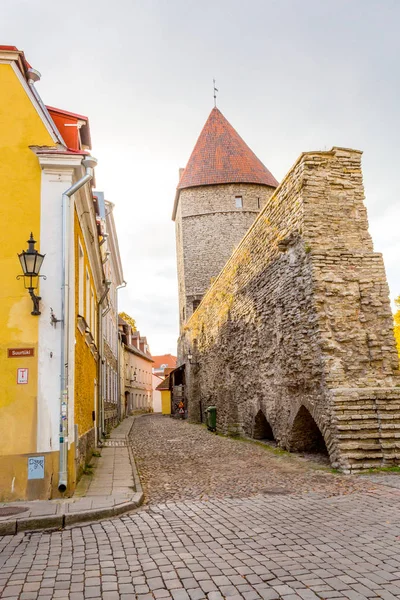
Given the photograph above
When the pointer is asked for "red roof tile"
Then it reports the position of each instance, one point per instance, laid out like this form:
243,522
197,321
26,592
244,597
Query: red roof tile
67,113
164,359
221,156
21,54
164,385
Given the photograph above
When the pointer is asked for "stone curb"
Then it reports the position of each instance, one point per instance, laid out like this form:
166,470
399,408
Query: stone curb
64,520
8,528
135,472
67,519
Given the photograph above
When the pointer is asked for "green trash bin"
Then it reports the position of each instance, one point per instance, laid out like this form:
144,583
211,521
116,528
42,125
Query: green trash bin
211,414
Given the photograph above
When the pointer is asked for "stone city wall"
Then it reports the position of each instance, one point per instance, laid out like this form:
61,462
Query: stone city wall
297,328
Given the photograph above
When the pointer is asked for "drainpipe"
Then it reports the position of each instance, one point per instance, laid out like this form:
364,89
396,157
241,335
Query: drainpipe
89,163
123,284
100,313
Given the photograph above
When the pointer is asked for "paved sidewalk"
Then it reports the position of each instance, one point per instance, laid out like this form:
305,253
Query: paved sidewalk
113,475
113,488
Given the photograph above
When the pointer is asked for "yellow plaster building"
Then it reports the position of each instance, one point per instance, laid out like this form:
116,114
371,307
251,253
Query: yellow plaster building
163,387
49,359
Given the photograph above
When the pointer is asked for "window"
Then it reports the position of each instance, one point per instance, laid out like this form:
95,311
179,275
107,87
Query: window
87,311
196,304
239,201
258,203
81,279
92,313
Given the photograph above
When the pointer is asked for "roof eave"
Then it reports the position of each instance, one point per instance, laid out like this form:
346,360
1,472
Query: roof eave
176,202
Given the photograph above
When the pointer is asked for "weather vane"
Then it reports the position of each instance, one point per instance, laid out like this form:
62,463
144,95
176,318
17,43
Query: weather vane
215,94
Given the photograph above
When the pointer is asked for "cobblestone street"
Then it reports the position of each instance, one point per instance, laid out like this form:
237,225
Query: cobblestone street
180,461
283,530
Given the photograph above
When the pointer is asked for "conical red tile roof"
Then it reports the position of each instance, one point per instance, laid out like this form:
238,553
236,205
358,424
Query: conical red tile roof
221,156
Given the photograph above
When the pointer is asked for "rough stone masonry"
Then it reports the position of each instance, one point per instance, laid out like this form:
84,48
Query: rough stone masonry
297,332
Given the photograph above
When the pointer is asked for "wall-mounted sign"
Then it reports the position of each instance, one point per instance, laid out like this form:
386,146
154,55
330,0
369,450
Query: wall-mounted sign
20,352
36,467
22,376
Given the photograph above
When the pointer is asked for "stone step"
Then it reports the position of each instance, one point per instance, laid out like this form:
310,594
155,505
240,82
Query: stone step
364,417
359,436
367,406
364,454
368,425
358,445
354,426
384,437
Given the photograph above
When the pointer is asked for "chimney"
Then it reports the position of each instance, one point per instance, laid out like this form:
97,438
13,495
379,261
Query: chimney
135,339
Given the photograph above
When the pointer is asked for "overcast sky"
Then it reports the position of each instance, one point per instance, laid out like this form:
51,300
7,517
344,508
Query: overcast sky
293,75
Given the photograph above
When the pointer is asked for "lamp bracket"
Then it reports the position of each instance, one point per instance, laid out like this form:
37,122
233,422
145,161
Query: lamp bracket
53,319
35,300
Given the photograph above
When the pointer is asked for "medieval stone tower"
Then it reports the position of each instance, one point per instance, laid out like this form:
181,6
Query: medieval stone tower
220,192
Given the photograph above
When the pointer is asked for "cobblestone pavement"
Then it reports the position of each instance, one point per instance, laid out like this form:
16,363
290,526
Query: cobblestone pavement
180,461
265,547
335,537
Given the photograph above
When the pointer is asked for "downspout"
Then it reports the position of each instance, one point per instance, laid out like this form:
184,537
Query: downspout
101,428
123,284
89,163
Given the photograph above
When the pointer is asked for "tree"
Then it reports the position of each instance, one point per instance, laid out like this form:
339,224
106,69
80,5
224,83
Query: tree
128,320
397,323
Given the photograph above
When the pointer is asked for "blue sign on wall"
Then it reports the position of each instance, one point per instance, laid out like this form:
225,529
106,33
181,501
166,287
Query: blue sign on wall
36,467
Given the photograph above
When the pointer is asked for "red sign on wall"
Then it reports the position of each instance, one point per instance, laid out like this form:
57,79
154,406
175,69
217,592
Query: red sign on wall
20,352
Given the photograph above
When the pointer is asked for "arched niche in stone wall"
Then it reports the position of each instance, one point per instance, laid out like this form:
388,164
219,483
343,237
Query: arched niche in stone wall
262,430
305,435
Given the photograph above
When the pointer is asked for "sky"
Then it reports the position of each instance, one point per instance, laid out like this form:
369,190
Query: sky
292,76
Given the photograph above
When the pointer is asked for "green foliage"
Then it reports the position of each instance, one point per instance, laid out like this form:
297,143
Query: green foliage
393,469
128,320
397,324
88,470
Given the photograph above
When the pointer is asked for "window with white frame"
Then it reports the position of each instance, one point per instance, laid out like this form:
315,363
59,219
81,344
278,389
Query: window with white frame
87,309
92,312
81,279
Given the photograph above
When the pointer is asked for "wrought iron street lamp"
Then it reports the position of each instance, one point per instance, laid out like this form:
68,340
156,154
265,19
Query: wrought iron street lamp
191,360
31,262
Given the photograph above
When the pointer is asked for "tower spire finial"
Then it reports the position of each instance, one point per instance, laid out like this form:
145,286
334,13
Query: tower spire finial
215,94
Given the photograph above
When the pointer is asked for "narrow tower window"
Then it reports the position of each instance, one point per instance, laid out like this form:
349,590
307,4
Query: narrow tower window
239,201
258,203
196,304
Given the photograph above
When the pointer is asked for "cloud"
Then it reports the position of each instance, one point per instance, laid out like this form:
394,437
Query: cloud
292,76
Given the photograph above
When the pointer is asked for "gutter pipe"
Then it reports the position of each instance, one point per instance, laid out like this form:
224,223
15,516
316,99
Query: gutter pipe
100,314
123,284
89,163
